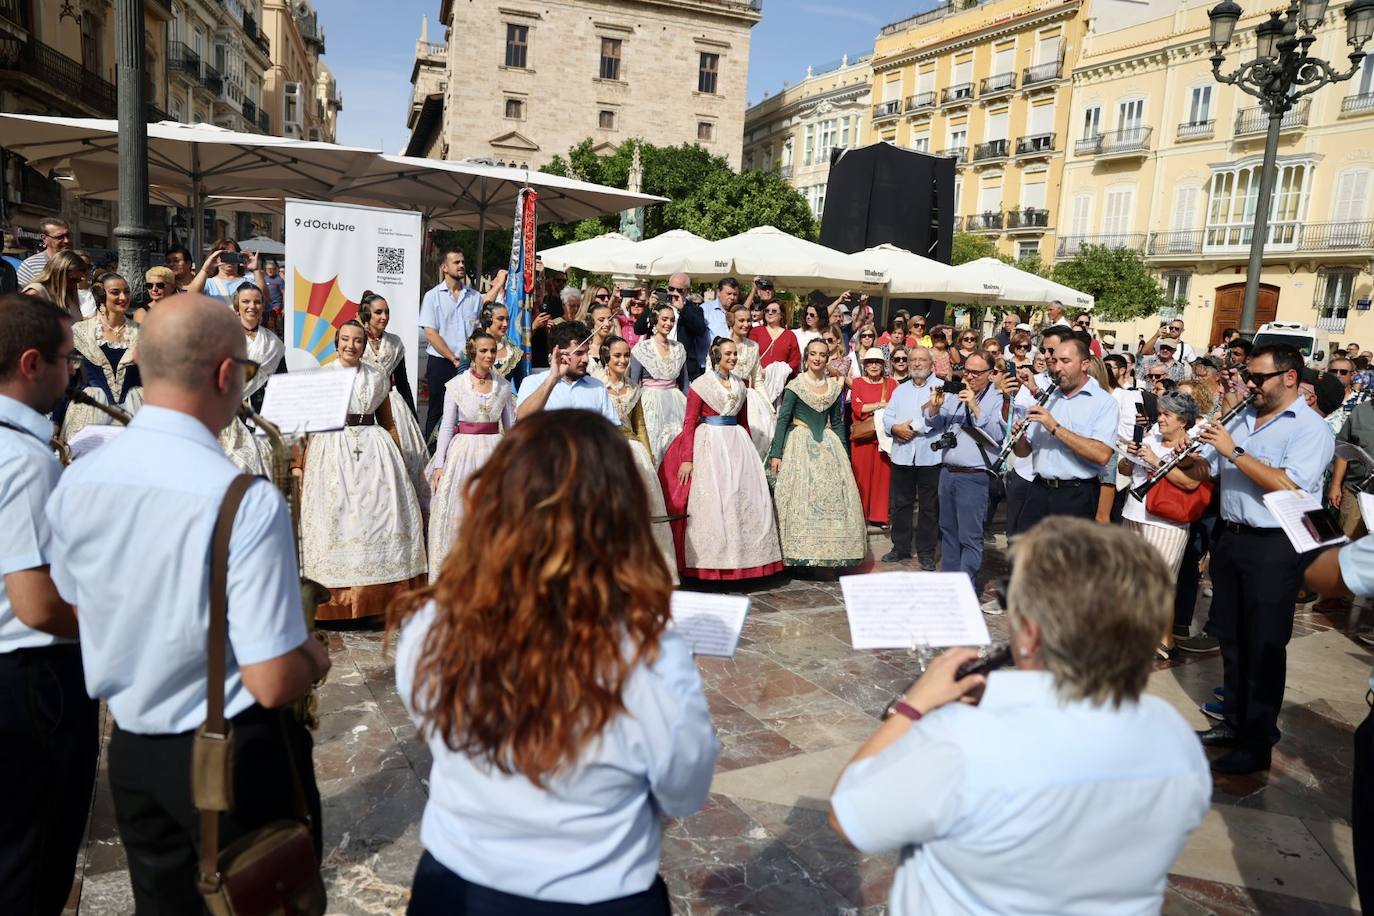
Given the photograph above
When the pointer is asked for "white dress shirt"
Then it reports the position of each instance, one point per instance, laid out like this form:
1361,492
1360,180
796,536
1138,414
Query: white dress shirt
1029,804
28,473
586,393
131,530
595,831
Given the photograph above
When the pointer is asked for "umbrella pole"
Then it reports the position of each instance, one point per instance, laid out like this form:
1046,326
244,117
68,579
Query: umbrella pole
197,208
133,235
481,240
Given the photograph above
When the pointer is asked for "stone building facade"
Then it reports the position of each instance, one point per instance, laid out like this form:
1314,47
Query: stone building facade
523,82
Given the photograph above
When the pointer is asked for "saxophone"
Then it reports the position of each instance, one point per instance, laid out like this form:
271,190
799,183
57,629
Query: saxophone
79,396
312,592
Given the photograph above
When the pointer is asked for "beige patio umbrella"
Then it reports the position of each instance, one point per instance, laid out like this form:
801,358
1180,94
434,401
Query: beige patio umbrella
768,251
591,255
636,260
992,282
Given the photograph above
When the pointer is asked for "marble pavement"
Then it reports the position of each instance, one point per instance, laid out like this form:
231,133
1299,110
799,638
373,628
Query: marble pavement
789,709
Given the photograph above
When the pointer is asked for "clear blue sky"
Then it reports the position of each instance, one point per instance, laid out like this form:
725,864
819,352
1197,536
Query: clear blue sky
371,47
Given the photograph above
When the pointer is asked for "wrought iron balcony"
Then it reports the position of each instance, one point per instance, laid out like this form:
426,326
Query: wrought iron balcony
211,78
18,12
1196,130
920,101
888,109
1028,219
1124,143
958,153
57,73
961,94
1174,243
1035,145
1335,322
264,122
785,171
997,84
181,59
1070,245
1250,121
991,150
250,112
1041,73
1358,104
988,221
38,190
958,224
1232,242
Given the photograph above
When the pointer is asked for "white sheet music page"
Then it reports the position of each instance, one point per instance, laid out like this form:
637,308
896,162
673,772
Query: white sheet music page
711,624
315,401
898,610
1367,509
1288,507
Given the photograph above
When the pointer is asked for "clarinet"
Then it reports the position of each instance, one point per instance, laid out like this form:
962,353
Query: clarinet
1018,429
1194,446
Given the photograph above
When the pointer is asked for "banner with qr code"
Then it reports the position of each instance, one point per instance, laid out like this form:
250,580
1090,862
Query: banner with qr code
334,254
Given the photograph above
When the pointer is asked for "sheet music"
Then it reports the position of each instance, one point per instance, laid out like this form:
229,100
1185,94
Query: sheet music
89,438
1367,510
1287,507
710,623
314,401
898,610
982,438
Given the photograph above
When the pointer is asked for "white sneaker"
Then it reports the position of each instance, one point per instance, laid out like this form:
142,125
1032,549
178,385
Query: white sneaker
993,608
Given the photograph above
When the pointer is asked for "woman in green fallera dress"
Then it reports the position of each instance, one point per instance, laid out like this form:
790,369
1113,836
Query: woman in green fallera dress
820,516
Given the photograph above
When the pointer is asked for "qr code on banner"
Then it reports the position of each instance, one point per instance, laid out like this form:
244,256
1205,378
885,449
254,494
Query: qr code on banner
391,260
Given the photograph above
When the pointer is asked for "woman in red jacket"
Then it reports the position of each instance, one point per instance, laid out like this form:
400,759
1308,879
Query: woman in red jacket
872,467
777,347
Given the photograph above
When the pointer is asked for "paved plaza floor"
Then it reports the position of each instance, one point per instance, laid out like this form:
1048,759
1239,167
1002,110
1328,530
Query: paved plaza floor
790,708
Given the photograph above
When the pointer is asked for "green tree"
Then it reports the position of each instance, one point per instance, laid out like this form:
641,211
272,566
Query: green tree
969,247
728,203
1117,278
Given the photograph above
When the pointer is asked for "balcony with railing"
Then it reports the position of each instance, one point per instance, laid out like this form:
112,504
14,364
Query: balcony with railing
958,153
57,73
990,151
1033,145
1070,245
1360,104
1286,237
1334,323
211,78
184,60
1196,130
987,221
18,12
1028,219
920,101
997,85
785,170
264,122
960,94
1125,143
889,109
311,33
250,112
1252,121
958,224
1041,74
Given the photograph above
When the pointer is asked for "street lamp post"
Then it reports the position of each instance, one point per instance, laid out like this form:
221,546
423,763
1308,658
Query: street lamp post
1281,73
132,235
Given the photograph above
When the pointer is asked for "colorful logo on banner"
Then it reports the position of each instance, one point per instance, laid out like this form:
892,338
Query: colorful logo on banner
326,309
520,275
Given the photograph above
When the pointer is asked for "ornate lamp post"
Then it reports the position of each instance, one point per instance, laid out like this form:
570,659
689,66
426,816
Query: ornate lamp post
133,237
1280,74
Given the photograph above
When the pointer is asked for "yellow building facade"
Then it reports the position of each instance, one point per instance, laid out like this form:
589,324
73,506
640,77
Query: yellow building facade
1166,160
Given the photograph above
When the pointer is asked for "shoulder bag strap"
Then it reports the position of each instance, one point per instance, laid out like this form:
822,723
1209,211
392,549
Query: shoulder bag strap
216,649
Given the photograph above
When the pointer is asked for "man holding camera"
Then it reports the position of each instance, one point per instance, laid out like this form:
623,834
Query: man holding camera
915,465
966,406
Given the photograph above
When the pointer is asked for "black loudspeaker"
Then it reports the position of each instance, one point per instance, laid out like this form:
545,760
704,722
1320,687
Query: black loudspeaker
883,194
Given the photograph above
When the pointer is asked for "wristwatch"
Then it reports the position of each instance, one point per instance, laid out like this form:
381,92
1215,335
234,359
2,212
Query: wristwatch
900,707
1238,453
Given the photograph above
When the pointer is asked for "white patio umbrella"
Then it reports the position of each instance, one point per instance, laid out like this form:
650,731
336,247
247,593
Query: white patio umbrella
908,274
186,162
636,261
467,195
263,245
1014,286
768,251
589,254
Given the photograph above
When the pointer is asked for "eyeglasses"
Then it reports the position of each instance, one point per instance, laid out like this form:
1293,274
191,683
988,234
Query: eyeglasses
976,371
899,359
1259,378
602,297
250,367
61,237
72,359
1339,371
155,284
1021,348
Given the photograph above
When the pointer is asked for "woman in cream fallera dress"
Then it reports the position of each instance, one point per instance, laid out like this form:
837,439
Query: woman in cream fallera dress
479,405
749,371
107,342
362,536
627,398
388,353
659,367
251,454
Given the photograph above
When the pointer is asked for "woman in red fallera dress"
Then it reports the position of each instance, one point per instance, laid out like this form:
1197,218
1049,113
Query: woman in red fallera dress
872,467
712,474
777,347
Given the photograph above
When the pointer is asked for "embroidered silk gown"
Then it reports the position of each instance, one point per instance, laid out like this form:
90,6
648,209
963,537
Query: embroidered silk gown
627,401
108,374
663,381
388,354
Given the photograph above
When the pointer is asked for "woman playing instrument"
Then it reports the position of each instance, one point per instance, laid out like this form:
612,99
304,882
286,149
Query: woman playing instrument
565,718
711,474
748,370
872,467
362,536
60,283
820,516
659,366
107,343
387,352
626,396
777,347
478,404
1177,414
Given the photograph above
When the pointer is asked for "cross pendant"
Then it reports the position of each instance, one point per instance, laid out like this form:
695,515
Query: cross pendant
357,452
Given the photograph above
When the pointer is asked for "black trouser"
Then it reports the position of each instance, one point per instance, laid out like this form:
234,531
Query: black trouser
437,891
1017,489
1362,812
1077,499
1255,581
438,372
1190,574
915,497
49,742
150,779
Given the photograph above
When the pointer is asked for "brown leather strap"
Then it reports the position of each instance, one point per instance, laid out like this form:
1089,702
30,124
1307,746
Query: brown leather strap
216,649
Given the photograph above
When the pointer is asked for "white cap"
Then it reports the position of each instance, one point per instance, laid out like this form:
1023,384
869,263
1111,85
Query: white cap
873,353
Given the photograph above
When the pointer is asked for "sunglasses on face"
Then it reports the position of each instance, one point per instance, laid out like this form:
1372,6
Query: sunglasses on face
772,311
155,284
1021,348
677,291
602,297
1157,377
1340,371
899,359
1259,378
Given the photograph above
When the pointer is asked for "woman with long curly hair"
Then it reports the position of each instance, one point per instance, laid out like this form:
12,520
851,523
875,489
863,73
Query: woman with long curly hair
564,717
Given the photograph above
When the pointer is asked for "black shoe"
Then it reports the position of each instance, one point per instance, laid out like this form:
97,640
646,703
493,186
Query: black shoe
927,564
1223,734
1240,762
895,556
1202,643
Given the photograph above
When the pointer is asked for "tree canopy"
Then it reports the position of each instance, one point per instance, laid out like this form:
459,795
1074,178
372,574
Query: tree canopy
1117,278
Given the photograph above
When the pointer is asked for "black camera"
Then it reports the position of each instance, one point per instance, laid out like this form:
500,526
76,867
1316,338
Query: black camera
946,441
954,385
